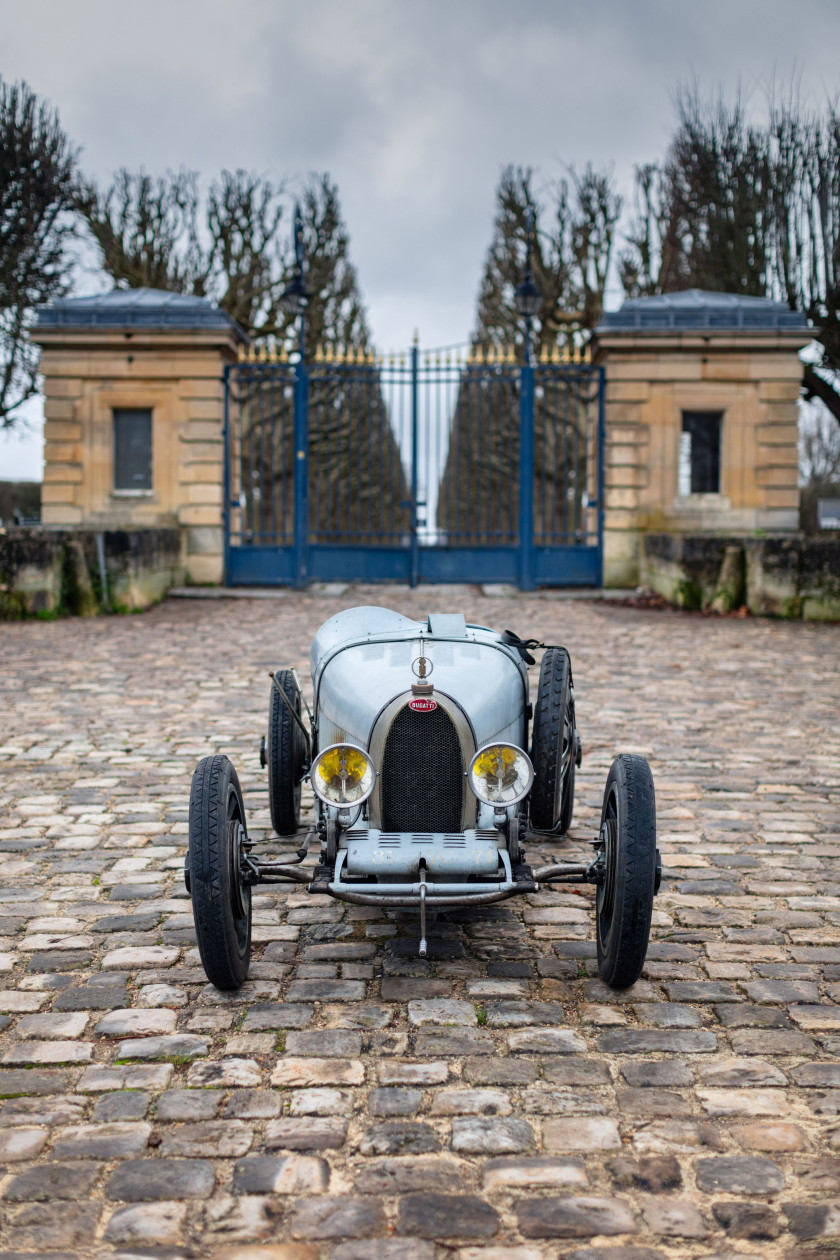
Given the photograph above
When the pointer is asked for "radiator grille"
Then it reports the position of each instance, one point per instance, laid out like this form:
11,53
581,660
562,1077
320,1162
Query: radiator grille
422,773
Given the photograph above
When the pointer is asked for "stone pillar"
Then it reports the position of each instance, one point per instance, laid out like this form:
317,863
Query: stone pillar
689,353
138,350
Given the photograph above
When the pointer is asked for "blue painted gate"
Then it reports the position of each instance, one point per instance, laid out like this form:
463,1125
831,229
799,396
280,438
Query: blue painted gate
414,468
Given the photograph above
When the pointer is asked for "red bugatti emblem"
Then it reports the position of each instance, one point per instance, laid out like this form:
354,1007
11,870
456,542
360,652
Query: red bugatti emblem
422,706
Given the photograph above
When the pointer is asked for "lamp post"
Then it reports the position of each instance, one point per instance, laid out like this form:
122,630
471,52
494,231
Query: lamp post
295,299
527,295
527,298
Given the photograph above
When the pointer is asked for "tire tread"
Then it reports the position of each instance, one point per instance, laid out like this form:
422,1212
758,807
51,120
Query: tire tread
225,965
547,740
622,959
281,749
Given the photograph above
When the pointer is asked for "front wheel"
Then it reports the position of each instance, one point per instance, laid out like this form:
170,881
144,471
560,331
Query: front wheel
221,898
628,860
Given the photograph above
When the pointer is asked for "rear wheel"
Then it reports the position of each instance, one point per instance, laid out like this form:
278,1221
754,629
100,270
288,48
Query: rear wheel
285,752
221,899
567,795
629,857
554,745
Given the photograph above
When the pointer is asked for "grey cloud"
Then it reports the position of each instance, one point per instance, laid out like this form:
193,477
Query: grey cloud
412,107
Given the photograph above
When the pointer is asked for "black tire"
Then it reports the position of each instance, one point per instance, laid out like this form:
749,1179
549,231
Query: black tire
285,752
553,745
567,796
624,906
221,902
331,842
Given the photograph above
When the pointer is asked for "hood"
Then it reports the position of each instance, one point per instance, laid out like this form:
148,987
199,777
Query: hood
362,660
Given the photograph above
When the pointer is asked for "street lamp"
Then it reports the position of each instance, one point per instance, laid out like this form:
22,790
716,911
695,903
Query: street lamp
528,298
295,298
527,295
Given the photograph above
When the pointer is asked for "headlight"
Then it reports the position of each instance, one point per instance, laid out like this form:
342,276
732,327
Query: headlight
500,774
343,775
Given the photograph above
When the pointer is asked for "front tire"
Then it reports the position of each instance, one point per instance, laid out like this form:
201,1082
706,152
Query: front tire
284,755
554,745
221,900
624,906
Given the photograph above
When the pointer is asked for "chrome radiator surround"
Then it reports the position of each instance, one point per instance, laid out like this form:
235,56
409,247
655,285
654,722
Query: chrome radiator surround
379,738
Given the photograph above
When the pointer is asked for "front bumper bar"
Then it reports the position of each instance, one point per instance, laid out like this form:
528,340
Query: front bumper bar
422,895
438,895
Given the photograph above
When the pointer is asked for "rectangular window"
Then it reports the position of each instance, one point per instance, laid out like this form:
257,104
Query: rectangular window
132,448
699,469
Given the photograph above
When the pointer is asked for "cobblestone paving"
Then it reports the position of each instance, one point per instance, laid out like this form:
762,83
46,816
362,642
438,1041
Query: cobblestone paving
353,1102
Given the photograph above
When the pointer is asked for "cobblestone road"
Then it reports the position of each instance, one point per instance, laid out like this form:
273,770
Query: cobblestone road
354,1102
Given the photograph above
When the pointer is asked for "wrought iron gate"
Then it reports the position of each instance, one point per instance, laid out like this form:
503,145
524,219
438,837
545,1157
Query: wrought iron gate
414,468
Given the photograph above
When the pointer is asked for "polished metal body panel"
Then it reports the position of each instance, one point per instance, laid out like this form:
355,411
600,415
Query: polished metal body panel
361,662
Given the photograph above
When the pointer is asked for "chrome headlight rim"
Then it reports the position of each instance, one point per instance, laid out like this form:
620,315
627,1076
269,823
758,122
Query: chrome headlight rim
358,800
511,800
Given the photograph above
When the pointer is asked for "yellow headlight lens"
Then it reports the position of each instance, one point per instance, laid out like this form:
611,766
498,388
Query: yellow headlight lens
500,774
343,775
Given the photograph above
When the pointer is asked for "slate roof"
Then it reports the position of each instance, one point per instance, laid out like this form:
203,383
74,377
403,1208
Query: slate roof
137,308
703,310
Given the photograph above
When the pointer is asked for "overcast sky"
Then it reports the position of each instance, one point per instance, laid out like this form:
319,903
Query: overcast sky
413,108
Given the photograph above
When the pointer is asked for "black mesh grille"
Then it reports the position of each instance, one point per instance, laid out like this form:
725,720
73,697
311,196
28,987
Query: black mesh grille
422,773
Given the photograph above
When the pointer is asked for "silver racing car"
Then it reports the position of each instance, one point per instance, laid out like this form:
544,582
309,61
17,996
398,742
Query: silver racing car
430,767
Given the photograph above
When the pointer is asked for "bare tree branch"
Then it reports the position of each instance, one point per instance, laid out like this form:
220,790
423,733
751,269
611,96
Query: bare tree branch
572,251
747,208
37,165
158,233
816,386
147,230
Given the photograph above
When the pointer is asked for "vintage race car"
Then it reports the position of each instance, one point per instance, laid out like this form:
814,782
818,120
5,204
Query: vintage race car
417,751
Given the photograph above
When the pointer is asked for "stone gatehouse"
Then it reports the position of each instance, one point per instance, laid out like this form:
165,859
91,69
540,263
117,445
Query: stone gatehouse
700,418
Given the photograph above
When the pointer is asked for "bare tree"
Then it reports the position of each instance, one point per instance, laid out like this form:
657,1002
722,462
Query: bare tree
336,314
747,207
702,218
819,446
37,166
147,230
160,233
244,268
575,229
805,229
359,489
154,232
